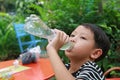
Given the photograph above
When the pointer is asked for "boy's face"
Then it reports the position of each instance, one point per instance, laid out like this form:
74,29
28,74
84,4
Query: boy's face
84,44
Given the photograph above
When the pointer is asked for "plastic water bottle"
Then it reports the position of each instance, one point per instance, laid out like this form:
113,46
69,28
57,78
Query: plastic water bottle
35,26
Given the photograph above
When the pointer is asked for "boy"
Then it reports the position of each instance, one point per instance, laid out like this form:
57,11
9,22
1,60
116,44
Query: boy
90,44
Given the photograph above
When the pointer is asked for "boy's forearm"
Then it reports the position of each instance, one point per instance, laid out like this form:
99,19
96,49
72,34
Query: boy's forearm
60,70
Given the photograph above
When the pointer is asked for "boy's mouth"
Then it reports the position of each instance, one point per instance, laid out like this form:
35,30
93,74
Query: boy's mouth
70,49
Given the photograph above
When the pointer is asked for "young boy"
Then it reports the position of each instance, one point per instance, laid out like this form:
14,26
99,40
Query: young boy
90,44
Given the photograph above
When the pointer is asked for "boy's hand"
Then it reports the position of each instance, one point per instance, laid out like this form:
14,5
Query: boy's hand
58,41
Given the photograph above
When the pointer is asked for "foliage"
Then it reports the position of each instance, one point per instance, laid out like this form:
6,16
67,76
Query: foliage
7,37
7,5
67,15
110,24
23,7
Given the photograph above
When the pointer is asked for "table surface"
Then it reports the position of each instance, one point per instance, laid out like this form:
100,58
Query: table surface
113,79
42,70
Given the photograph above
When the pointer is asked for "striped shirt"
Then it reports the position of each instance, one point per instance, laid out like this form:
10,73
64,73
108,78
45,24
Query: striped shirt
88,71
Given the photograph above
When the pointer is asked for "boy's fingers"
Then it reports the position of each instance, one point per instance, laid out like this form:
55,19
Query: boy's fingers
67,39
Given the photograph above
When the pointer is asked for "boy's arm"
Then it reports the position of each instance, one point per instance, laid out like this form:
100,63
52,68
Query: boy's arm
59,68
61,72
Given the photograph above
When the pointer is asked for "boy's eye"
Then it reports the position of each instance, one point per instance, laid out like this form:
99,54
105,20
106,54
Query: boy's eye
83,38
72,35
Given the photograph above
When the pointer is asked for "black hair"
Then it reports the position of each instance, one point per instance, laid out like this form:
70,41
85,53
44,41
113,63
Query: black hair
101,39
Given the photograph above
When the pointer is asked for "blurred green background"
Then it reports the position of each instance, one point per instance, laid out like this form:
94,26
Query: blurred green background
65,15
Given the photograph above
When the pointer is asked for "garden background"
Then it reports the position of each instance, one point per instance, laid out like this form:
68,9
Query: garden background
64,15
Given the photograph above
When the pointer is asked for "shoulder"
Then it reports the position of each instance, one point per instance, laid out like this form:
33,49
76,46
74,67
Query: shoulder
90,70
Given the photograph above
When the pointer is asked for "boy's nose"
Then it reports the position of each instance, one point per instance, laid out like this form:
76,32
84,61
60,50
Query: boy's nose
72,39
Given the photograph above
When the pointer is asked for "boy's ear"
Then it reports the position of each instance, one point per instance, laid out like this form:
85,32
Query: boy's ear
96,54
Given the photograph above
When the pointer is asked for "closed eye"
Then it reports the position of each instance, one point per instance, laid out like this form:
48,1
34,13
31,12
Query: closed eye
72,35
83,38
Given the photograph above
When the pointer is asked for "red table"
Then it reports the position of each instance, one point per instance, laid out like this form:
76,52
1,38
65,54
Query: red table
41,70
113,79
